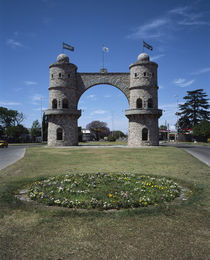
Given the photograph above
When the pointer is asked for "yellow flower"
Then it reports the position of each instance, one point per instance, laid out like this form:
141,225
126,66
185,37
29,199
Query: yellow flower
110,195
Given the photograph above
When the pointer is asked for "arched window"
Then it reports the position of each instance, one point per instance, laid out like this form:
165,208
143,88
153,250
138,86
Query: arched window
150,103
139,103
145,74
65,103
59,134
54,103
144,134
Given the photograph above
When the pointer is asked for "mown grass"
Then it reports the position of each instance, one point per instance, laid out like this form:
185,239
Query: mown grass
34,231
102,143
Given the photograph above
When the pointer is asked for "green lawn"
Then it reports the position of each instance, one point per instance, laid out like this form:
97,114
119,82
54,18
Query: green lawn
34,231
102,143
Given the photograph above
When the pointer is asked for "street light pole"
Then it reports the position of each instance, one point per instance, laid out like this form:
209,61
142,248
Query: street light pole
177,103
41,122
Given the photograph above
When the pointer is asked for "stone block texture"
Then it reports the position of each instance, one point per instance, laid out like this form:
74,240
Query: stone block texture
118,80
136,125
67,86
68,124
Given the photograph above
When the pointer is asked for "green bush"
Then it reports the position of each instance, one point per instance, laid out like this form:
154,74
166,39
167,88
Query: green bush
111,138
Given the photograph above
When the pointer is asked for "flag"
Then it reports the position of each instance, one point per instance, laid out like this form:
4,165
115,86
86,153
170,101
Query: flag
147,46
68,47
105,49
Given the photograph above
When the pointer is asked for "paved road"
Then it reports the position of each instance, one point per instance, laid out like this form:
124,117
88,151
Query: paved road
11,154
201,152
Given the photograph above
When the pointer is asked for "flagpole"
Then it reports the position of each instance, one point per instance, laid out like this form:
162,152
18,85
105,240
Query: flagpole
143,46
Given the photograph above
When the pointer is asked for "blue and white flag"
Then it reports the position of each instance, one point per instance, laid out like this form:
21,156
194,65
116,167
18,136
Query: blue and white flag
105,49
147,46
68,47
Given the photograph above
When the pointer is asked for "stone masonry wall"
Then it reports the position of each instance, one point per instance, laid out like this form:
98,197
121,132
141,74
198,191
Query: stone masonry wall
144,93
67,77
69,126
143,75
136,125
118,80
61,93
66,83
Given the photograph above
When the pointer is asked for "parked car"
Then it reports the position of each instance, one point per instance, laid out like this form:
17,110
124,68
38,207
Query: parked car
3,144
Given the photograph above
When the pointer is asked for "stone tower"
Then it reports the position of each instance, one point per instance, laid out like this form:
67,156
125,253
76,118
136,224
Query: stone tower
139,86
62,113
143,113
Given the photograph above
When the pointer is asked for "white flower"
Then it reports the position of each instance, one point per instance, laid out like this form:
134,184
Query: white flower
60,189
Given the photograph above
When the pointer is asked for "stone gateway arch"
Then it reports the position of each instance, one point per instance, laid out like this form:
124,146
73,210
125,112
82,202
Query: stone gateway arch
139,86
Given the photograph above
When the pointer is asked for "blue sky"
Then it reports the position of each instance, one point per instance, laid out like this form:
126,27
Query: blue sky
32,32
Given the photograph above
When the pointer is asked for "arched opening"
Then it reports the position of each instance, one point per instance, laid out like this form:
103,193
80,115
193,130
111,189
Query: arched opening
59,134
144,134
150,103
104,103
139,103
65,103
54,103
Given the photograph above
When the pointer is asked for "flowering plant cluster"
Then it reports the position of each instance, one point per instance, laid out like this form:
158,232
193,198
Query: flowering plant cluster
103,191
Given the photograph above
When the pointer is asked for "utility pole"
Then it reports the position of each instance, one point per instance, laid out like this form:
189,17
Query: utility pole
41,121
177,103
112,123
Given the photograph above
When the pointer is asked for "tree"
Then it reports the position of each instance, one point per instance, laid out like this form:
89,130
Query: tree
163,127
35,129
2,132
194,110
80,134
98,129
114,135
10,124
183,123
202,131
16,133
9,117
44,127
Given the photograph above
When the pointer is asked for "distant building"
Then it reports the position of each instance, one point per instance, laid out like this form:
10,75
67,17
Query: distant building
85,135
167,135
185,135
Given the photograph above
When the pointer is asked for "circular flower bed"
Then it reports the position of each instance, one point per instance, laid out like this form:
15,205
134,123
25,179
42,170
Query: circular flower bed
103,191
